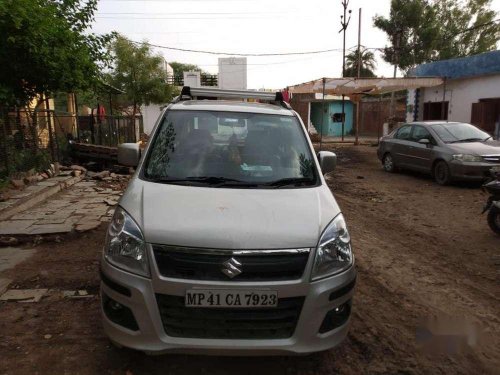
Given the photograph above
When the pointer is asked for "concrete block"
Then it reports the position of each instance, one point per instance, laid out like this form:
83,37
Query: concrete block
50,228
4,284
49,182
87,225
24,295
15,226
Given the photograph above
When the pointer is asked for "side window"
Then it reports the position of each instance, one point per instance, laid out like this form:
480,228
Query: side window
403,132
419,132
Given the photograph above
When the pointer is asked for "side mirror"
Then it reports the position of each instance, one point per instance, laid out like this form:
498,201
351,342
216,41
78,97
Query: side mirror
129,154
424,141
327,161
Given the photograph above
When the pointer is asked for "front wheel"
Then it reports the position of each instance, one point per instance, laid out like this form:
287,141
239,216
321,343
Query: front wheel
494,219
388,163
442,173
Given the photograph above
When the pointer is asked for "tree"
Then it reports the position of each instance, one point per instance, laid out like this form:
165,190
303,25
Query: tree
412,30
468,28
180,68
367,63
46,47
139,73
427,30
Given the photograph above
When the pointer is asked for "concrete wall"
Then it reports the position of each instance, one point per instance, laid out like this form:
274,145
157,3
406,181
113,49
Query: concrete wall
331,128
460,93
374,112
301,104
150,114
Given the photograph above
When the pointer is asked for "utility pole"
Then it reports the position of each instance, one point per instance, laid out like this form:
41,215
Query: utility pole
344,22
396,62
356,141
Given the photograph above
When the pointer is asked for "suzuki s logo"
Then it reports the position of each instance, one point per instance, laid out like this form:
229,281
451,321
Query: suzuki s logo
231,268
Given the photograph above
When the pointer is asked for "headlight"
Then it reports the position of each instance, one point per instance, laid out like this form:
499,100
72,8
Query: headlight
467,157
125,247
334,253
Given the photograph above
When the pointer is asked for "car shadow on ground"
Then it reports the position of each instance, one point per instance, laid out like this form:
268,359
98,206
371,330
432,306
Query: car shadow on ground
141,363
428,178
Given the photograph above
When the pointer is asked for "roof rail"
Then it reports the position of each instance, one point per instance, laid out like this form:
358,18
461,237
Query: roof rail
190,93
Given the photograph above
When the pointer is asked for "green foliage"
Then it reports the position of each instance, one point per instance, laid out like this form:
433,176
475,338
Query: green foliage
63,147
428,30
468,27
23,160
180,68
367,63
413,27
46,47
139,73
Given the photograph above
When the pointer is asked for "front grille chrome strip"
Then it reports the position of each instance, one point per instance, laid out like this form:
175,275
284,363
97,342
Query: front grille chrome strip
229,252
491,158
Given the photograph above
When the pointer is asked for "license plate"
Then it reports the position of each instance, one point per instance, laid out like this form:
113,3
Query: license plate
230,298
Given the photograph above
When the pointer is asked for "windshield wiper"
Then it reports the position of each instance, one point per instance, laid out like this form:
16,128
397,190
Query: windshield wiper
468,140
208,180
293,181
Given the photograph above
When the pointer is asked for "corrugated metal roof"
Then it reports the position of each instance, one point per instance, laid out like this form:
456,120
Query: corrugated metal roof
478,65
364,86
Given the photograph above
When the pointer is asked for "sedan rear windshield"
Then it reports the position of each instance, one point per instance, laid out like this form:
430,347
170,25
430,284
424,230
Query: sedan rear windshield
230,149
459,132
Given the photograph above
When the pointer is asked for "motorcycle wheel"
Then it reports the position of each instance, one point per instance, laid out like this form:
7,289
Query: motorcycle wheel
494,219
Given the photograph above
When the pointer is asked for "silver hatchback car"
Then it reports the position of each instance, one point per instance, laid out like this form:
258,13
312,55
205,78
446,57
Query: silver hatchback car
448,150
227,239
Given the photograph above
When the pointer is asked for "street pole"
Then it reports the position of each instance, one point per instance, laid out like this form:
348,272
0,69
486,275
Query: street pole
344,22
396,62
322,117
356,141
443,112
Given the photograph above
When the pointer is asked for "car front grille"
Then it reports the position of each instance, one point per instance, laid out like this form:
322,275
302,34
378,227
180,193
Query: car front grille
222,323
491,158
206,264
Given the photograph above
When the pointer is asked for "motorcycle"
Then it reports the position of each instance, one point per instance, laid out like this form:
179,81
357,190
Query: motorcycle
493,203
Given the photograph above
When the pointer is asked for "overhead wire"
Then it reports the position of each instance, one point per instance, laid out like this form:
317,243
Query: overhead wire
238,53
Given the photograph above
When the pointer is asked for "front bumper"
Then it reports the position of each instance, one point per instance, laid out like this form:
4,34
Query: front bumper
320,298
471,170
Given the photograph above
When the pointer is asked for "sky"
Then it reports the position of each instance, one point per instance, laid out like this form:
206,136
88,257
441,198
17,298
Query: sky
252,27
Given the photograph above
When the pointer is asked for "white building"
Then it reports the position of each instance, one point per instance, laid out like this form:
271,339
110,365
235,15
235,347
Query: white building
150,113
471,92
233,73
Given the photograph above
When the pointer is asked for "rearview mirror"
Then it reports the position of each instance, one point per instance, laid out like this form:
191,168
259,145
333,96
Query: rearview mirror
424,141
327,161
129,154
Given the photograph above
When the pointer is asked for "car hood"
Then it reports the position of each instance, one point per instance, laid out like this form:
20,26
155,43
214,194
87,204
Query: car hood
229,218
476,148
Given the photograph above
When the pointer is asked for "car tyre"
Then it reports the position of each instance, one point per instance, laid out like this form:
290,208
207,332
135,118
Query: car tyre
494,220
388,163
116,345
442,173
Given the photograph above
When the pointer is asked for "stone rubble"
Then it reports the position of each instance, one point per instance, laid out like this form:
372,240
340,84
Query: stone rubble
80,208
24,295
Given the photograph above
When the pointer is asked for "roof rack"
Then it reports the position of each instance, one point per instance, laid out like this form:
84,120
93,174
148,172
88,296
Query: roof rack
190,93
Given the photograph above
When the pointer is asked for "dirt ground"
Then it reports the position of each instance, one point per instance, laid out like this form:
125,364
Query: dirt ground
423,252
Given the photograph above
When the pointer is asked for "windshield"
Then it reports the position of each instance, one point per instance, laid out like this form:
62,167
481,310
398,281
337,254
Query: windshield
453,133
230,149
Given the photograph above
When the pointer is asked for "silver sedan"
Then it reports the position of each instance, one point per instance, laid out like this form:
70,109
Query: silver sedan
448,150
